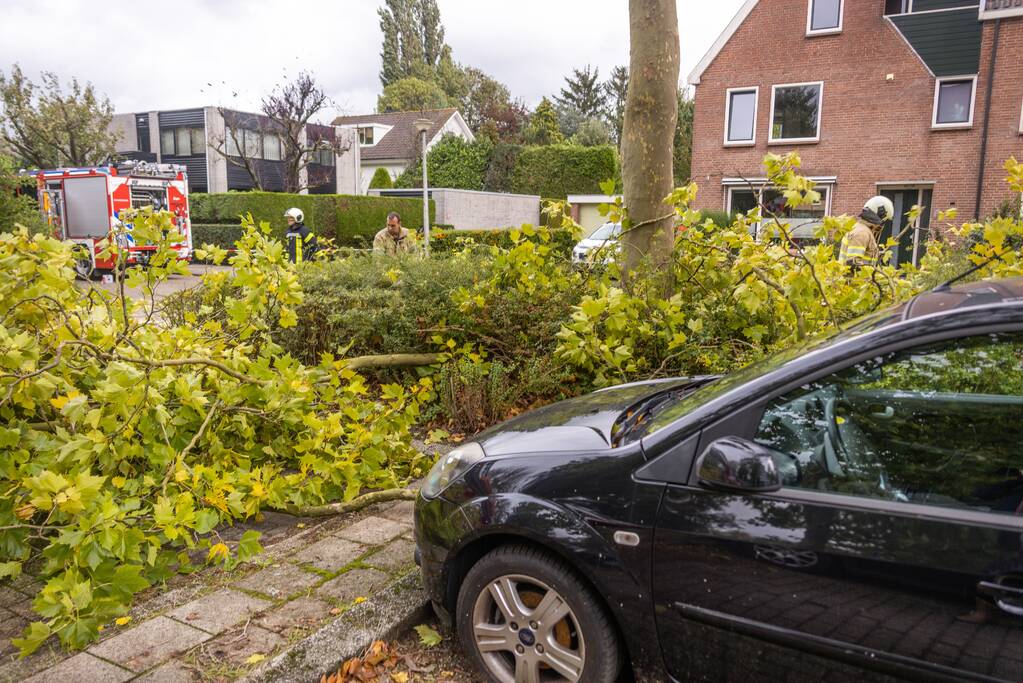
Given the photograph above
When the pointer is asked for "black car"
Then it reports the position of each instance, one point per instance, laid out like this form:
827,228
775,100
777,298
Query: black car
851,509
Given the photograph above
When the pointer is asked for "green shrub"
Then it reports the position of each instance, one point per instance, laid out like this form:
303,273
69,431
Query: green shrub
474,396
722,219
560,170
453,163
381,180
222,235
350,220
502,163
562,240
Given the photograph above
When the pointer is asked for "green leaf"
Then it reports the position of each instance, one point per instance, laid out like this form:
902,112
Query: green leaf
428,636
205,521
248,546
32,637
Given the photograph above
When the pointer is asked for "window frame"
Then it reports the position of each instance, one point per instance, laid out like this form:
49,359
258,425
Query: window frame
748,418
755,89
771,140
959,125
824,187
908,9
1021,118
811,32
362,130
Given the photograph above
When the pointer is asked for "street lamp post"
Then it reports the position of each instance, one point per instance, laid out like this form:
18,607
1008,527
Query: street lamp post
424,125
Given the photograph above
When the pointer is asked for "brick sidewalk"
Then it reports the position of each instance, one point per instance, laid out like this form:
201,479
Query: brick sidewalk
211,629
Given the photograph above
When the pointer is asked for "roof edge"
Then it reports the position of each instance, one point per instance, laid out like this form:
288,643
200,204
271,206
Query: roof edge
719,44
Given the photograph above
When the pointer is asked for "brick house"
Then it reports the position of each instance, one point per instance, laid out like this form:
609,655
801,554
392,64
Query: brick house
920,100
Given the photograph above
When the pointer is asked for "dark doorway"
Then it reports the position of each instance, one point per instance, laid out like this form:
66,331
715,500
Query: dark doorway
912,239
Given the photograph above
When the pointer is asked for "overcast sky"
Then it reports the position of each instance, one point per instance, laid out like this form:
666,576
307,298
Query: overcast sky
166,55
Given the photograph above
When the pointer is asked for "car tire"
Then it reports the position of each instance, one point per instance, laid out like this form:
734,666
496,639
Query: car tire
577,642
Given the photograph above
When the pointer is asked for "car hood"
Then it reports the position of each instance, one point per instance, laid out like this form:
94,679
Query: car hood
582,423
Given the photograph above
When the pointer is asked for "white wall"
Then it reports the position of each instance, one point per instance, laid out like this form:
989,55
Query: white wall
467,210
349,162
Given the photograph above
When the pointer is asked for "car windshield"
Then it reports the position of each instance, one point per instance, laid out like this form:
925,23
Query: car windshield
606,232
689,402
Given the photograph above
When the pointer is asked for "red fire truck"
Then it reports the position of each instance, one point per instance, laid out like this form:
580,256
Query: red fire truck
84,205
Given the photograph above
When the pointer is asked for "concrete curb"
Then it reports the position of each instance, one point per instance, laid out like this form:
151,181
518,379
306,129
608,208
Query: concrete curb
388,613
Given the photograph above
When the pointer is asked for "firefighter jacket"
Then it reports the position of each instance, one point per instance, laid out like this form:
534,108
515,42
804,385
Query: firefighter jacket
389,245
859,246
301,243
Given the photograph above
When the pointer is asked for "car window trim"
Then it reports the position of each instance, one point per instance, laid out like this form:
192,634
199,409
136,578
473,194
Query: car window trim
922,511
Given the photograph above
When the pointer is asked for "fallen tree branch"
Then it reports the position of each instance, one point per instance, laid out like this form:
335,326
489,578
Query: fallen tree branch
393,360
352,505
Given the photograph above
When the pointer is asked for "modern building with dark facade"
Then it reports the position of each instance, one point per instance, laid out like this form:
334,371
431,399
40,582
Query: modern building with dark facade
215,146
919,100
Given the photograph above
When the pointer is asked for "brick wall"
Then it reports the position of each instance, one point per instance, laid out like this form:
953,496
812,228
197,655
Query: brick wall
872,129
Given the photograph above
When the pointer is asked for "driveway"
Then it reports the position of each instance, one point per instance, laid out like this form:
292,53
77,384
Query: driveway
176,283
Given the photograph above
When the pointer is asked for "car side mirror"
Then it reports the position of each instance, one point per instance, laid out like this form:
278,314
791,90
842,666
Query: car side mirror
736,464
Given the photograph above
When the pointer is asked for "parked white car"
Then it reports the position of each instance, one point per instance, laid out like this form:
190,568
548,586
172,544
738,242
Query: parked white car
601,245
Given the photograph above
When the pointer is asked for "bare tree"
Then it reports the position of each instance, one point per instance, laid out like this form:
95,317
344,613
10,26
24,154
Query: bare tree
285,125
651,111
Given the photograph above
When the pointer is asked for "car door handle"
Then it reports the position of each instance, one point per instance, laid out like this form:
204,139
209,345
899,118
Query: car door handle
885,412
1008,599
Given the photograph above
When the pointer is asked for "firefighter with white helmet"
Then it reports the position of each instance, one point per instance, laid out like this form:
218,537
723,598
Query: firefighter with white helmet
301,240
859,246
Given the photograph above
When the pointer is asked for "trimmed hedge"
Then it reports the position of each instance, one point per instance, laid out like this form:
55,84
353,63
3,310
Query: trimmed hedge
222,235
560,170
350,220
448,240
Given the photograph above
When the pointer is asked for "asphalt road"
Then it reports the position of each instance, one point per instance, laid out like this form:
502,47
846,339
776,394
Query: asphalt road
176,283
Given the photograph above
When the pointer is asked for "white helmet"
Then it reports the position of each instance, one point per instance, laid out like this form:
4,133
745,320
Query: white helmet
878,210
294,213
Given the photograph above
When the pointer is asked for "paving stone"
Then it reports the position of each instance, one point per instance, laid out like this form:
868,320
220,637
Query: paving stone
330,554
11,626
149,643
304,613
219,611
171,672
356,583
373,531
82,668
279,581
402,511
237,647
398,553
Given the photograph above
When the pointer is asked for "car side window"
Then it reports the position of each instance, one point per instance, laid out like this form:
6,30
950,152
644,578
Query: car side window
935,425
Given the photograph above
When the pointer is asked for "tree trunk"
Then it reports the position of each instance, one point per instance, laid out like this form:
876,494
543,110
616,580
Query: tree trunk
648,133
393,360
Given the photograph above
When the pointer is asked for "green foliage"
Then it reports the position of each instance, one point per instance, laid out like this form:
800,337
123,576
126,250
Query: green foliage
475,395
560,170
125,443
221,235
381,180
47,126
583,92
349,220
592,132
503,159
721,219
413,42
453,163
561,240
683,150
617,87
543,128
15,207
411,94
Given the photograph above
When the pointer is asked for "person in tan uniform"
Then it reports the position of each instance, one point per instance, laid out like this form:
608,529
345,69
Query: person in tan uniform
859,246
393,240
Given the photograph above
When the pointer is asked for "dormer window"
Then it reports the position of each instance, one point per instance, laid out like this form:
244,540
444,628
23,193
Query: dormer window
366,135
824,17
896,7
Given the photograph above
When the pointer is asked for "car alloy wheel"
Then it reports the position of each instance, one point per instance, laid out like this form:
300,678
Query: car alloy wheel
526,631
524,616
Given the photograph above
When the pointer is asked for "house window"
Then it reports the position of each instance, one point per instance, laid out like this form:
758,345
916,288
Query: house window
234,141
897,7
796,112
824,16
953,102
366,135
741,116
271,147
252,144
324,156
799,223
183,142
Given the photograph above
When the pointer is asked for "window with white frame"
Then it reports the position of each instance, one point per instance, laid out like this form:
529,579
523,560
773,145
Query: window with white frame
953,102
824,17
1021,120
366,135
799,223
897,7
741,116
796,112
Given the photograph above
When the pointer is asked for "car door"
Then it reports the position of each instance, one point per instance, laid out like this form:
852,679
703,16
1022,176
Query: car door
893,549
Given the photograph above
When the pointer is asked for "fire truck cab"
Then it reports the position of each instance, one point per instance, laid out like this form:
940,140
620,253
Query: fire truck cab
84,205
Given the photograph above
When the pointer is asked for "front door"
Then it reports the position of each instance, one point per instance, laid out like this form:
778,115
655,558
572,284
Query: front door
895,548
912,237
